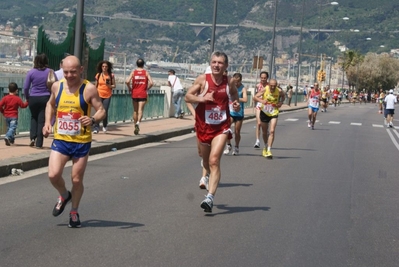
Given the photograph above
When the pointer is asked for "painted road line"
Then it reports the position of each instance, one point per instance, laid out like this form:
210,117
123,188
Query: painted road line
334,122
290,119
378,125
356,124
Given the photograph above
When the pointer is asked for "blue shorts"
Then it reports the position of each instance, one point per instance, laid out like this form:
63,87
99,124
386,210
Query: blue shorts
236,118
313,109
71,149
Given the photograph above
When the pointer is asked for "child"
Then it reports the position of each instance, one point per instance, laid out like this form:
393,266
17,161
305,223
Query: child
9,107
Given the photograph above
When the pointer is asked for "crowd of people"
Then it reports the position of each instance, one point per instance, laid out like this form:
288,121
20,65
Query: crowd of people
216,100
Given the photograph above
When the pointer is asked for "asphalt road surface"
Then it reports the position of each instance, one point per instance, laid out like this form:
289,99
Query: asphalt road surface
329,197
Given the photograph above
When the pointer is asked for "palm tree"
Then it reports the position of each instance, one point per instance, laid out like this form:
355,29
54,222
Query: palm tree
349,60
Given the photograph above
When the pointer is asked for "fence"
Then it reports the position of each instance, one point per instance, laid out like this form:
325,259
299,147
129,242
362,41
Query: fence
159,105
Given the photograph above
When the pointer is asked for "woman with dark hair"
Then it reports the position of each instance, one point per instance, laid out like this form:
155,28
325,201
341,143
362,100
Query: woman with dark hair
105,82
37,94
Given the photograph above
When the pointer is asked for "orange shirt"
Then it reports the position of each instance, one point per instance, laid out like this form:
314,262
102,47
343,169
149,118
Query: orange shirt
103,90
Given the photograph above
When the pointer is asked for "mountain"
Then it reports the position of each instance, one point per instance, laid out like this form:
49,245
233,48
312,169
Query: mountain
377,20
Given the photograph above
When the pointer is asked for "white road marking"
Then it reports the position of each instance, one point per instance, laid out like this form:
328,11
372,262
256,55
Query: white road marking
290,119
393,138
356,123
334,122
378,125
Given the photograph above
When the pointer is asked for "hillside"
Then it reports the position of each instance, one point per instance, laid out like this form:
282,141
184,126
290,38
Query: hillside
377,20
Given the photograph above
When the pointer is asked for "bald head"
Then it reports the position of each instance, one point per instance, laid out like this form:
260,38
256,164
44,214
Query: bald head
71,60
72,70
273,82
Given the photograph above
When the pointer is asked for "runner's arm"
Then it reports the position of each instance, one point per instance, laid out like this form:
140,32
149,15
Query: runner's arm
93,98
150,82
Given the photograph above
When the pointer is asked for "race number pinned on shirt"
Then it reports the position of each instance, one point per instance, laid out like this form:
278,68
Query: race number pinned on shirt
268,109
314,102
68,123
214,114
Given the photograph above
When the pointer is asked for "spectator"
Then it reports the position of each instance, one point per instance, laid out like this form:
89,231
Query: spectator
37,94
177,91
105,82
9,108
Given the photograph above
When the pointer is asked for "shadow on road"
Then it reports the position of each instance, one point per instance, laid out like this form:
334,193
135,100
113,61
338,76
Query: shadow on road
233,184
102,223
231,210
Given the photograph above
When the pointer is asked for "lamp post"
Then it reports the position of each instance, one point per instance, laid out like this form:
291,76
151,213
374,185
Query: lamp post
215,7
318,36
299,54
271,63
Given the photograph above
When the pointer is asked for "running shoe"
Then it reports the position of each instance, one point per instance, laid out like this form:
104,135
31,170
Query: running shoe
391,125
74,221
32,142
136,129
105,129
95,131
264,152
309,125
269,154
312,127
60,205
257,144
7,141
207,204
204,181
235,151
227,150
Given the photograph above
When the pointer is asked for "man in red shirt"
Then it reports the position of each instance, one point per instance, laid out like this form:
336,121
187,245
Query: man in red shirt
9,108
335,96
211,94
141,82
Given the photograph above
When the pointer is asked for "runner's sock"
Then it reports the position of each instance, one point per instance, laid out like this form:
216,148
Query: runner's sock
210,196
65,195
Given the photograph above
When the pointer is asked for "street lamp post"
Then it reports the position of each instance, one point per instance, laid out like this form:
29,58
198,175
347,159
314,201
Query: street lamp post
299,53
215,7
271,63
318,36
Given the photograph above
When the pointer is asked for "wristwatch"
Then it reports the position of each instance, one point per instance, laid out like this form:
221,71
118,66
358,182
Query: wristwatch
93,121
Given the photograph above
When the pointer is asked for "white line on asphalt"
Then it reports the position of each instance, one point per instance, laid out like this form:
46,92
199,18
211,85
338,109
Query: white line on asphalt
393,138
334,122
356,123
290,119
378,125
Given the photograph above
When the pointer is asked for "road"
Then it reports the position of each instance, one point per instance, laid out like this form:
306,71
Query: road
328,198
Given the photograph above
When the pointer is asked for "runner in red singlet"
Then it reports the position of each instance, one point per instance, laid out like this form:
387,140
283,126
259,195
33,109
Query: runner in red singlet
139,82
211,95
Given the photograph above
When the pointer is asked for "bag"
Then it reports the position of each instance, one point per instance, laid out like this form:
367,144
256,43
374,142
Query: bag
50,79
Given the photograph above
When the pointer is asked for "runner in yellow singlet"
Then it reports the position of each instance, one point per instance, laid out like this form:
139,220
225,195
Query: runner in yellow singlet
71,100
271,99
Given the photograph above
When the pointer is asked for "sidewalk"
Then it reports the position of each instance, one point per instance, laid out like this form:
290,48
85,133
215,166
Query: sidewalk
119,136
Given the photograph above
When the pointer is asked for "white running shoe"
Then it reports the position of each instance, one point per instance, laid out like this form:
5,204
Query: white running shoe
104,129
257,144
227,150
235,151
309,125
204,181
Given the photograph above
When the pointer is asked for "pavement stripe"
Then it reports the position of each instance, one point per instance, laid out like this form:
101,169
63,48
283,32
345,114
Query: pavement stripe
334,122
290,119
356,123
378,125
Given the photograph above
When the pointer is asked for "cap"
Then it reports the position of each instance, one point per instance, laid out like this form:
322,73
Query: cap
391,91
312,86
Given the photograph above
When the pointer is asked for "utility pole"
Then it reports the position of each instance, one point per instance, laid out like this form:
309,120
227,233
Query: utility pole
215,8
299,53
78,46
271,63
